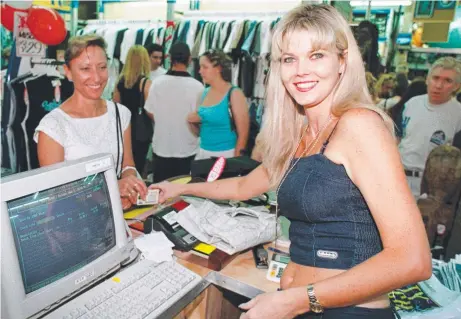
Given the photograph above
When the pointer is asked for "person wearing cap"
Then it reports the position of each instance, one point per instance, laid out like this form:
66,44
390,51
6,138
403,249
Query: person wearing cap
171,98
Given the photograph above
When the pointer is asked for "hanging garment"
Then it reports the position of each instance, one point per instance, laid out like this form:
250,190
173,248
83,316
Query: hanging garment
118,43
148,35
43,98
19,135
7,112
190,37
128,41
139,37
111,39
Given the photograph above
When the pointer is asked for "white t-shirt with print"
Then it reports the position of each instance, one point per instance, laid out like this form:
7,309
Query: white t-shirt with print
157,72
81,137
425,127
171,99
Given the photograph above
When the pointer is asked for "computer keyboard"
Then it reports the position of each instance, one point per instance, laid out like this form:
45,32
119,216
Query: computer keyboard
143,290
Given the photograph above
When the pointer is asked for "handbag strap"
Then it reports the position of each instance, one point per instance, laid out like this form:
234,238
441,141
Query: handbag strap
141,105
231,116
119,131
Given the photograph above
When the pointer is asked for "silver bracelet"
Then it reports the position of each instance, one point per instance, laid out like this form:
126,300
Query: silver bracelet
129,167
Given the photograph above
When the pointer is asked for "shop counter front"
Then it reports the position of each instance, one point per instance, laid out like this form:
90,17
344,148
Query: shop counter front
222,291
236,283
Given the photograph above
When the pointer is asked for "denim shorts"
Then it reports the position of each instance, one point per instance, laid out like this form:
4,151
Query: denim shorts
351,313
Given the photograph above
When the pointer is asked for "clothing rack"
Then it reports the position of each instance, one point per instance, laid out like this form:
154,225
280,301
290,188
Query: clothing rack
121,21
217,15
46,62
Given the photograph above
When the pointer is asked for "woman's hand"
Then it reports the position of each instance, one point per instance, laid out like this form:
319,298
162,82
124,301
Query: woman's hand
130,186
284,304
126,203
167,190
194,118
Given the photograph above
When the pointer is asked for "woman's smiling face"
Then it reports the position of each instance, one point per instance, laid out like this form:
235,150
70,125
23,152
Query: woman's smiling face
309,75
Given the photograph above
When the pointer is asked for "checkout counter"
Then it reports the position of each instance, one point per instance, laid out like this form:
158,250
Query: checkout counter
221,291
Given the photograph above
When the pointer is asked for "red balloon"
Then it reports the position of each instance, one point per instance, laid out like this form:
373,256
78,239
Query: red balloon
7,16
46,25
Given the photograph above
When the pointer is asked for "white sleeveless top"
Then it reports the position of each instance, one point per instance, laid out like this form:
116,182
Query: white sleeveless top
81,137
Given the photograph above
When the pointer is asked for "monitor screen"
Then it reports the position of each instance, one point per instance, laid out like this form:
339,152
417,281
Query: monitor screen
59,230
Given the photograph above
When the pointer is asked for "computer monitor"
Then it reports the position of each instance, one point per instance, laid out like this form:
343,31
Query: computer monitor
62,230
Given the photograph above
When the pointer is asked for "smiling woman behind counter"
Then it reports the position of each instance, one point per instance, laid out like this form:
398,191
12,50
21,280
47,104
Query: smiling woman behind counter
85,124
356,232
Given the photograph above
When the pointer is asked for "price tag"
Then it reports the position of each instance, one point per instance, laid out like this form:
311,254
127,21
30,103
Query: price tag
26,44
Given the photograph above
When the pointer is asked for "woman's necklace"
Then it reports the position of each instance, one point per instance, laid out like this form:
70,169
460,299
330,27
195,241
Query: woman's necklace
306,151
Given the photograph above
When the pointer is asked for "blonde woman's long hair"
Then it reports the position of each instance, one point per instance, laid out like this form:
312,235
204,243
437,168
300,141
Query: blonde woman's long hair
284,118
137,65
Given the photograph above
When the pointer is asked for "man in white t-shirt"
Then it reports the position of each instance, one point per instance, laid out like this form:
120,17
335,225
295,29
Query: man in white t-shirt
171,98
430,120
156,58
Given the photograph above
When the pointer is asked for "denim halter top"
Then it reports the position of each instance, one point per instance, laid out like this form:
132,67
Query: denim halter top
331,224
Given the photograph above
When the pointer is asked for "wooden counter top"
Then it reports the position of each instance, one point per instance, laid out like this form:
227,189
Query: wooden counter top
243,269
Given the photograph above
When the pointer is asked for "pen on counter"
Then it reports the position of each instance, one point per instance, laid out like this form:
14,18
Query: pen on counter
278,251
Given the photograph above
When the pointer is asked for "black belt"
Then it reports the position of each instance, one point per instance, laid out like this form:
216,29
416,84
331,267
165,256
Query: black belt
413,173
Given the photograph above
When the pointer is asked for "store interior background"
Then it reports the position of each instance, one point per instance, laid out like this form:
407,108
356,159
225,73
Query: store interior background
417,42
404,39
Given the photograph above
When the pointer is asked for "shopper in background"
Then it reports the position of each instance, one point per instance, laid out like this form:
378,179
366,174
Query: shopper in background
414,89
367,35
430,120
385,87
132,90
371,85
223,128
401,85
85,124
339,179
171,98
155,52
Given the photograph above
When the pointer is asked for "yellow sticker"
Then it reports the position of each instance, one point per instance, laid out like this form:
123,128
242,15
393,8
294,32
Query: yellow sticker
116,279
205,248
136,212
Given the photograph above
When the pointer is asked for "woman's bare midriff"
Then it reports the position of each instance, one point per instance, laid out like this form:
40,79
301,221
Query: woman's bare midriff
296,275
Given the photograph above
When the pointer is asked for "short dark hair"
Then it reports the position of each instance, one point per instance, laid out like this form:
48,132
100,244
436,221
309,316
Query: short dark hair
221,59
78,44
180,53
154,47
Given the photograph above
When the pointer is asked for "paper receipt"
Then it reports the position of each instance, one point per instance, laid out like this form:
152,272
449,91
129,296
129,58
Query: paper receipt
151,198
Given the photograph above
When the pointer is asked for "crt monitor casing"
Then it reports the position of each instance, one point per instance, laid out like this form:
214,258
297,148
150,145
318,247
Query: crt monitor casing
15,303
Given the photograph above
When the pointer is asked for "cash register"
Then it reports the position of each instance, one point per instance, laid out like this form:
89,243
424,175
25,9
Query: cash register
67,252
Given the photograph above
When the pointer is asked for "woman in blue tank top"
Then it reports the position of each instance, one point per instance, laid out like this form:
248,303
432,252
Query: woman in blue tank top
223,127
356,232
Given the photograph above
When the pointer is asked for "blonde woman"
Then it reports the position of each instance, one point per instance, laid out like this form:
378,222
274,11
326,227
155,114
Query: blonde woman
132,90
371,85
356,232
385,87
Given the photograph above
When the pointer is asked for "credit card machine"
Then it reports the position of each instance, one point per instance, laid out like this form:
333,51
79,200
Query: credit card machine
166,222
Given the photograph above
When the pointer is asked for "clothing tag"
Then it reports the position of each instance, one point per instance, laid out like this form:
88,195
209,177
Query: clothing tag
57,93
56,82
327,254
26,96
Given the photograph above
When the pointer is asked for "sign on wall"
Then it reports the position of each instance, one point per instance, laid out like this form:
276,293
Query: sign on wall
434,11
26,44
